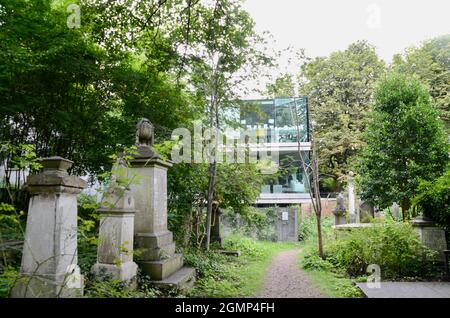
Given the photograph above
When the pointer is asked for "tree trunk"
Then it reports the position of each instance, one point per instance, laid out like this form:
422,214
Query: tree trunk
212,177
405,209
318,204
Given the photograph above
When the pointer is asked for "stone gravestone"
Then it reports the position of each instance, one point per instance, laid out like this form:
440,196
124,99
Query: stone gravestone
366,211
339,211
115,247
216,231
49,261
430,235
395,211
155,247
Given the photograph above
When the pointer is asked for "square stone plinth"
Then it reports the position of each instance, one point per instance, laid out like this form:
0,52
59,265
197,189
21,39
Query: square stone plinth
181,280
161,269
125,272
53,286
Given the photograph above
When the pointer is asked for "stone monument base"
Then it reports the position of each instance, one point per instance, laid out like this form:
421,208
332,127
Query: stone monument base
125,272
339,219
32,286
157,258
430,235
183,279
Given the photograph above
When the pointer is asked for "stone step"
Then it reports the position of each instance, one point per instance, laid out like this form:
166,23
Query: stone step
159,270
153,240
182,280
154,254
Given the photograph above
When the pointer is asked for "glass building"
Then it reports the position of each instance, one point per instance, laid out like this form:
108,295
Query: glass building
285,123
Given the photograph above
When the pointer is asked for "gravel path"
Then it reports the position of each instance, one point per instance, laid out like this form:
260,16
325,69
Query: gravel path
284,279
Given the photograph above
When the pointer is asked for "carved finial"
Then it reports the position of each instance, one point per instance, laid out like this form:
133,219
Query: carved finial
145,133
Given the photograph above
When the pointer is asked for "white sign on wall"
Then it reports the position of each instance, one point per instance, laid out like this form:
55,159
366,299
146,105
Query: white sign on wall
284,216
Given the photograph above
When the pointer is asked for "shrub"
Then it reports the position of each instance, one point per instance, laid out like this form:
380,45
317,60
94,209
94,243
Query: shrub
312,261
433,199
7,279
206,264
253,222
395,247
248,247
307,227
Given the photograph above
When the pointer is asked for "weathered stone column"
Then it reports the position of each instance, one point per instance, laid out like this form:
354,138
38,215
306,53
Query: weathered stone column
155,247
49,261
351,199
115,248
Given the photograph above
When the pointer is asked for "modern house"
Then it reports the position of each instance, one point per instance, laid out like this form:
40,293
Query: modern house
285,122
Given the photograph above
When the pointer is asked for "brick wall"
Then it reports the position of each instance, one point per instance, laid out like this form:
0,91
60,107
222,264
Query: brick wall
327,206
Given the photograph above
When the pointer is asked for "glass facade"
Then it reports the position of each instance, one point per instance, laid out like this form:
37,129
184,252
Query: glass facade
280,115
278,118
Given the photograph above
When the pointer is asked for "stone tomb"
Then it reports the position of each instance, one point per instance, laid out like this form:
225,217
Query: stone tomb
155,249
49,261
430,235
115,244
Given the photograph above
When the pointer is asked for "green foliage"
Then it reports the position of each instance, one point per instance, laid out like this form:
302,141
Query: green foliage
312,261
11,222
246,245
88,225
339,88
255,222
206,264
433,199
69,93
307,227
117,289
236,189
406,142
430,64
394,246
8,277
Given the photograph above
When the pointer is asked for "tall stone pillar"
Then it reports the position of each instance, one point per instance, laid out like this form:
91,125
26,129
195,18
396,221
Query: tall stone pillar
155,247
115,248
49,262
351,199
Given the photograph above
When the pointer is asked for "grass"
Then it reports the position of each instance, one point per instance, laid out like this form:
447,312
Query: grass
239,276
330,283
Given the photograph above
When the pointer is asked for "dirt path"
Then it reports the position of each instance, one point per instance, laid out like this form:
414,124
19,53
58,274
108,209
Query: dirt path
284,279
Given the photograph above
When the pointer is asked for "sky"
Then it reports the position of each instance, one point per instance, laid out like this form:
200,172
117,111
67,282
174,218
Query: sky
324,26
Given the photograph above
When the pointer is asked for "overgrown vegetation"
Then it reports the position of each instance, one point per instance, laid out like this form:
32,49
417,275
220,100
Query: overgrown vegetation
329,279
394,246
433,199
